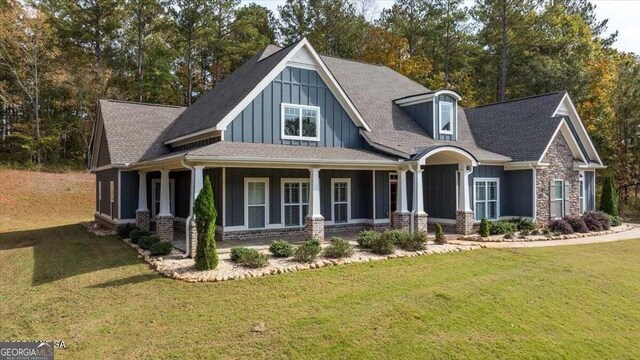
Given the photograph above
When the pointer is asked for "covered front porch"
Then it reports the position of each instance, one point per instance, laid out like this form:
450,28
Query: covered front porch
297,200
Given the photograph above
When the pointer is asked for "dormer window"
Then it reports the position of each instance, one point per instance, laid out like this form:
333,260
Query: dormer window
446,117
300,122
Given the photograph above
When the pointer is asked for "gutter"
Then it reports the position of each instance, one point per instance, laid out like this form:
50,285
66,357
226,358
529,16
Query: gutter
190,217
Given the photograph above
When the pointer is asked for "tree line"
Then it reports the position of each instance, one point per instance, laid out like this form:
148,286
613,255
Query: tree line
57,57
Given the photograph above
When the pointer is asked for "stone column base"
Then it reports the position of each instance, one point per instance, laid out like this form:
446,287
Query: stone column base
164,227
420,221
314,227
143,219
402,221
464,222
193,238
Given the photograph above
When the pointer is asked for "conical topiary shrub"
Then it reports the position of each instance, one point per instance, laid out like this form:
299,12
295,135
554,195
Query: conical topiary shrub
609,200
206,214
484,228
440,235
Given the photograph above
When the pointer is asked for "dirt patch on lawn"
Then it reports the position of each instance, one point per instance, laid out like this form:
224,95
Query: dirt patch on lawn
31,199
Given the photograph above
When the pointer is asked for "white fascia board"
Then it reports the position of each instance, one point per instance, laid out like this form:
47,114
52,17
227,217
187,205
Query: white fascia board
96,138
412,100
571,140
304,163
577,123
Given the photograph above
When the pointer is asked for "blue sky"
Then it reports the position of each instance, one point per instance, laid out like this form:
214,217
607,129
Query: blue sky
623,15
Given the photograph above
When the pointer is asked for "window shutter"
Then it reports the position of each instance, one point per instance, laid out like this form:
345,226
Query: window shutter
552,213
565,196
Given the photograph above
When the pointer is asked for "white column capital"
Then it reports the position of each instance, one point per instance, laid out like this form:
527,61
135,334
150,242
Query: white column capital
401,201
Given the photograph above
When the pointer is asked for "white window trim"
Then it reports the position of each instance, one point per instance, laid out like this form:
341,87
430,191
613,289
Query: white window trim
283,181
333,198
581,195
172,197
292,137
486,179
551,199
100,196
451,117
248,180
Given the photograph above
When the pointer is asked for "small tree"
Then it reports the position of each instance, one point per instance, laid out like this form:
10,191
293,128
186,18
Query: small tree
440,235
609,200
484,228
206,214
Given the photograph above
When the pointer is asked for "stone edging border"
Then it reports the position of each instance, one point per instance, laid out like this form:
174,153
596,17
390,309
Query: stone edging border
478,238
193,276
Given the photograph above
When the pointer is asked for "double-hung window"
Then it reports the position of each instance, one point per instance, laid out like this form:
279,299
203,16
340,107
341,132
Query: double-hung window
557,199
295,199
487,198
340,200
300,122
446,117
256,200
582,204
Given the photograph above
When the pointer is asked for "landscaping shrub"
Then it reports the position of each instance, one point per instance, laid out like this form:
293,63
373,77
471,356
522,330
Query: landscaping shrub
561,226
440,240
615,220
546,231
525,224
508,235
577,224
609,198
308,251
484,228
339,248
415,242
206,214
535,232
525,232
502,227
398,237
160,248
237,253
281,248
384,244
137,234
253,259
365,238
597,221
147,241
124,230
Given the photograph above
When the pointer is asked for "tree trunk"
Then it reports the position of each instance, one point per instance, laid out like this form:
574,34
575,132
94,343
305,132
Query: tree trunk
139,67
504,53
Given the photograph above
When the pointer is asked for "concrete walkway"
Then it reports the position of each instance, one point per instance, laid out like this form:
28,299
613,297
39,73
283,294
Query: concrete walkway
627,235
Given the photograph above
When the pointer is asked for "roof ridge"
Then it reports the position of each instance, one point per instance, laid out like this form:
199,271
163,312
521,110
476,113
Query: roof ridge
280,48
355,61
516,99
142,103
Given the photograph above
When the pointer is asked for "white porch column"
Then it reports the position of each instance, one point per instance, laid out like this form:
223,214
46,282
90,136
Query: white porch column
464,215
314,221
165,194
419,191
142,214
402,216
198,181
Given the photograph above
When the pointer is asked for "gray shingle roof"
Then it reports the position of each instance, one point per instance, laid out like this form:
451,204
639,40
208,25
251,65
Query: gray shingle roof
133,129
519,128
213,106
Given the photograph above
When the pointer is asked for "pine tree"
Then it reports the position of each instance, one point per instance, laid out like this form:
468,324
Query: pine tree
609,200
206,214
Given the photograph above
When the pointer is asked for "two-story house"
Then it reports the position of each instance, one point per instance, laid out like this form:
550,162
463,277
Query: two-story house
295,142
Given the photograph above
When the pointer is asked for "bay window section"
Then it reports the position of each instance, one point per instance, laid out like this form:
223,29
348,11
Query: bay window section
486,199
300,122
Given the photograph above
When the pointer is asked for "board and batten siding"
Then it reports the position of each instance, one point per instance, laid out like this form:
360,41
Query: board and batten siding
382,195
518,193
103,178
128,194
436,112
104,157
439,191
260,121
423,114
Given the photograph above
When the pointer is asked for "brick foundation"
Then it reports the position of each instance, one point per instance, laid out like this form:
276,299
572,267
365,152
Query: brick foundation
314,227
420,222
464,222
164,227
143,219
402,221
193,238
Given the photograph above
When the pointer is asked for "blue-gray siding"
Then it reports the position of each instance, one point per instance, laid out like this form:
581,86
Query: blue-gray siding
517,199
422,114
382,194
486,171
437,134
589,185
103,178
260,121
440,191
129,194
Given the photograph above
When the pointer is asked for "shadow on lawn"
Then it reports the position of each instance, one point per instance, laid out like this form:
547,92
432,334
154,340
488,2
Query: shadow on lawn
69,250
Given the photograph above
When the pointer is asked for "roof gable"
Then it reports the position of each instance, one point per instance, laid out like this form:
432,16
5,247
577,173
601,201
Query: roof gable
566,108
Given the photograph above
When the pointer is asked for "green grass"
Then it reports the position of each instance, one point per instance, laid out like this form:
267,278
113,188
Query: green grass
93,293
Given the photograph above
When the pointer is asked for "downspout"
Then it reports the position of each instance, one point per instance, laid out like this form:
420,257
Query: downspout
190,217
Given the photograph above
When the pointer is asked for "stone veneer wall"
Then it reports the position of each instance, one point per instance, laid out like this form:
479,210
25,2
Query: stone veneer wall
164,227
143,219
464,222
560,158
402,221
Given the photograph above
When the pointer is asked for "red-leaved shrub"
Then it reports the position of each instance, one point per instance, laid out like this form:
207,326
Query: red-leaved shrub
577,224
561,226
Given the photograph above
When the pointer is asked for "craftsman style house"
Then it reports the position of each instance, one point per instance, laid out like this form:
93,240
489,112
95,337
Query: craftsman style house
296,142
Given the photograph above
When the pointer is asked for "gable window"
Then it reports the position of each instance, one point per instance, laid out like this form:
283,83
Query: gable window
300,122
256,194
557,199
487,198
446,117
295,199
340,200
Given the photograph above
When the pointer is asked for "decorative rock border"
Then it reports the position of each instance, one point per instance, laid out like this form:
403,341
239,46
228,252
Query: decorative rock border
500,238
176,266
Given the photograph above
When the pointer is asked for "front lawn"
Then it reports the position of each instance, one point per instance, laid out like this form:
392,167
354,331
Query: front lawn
571,301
